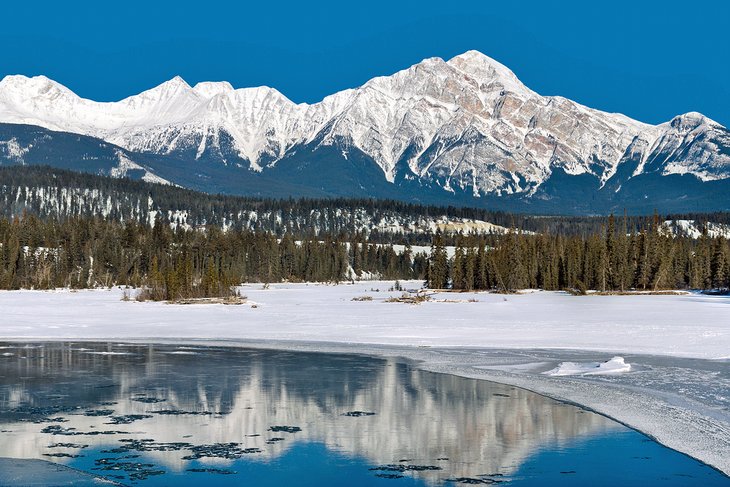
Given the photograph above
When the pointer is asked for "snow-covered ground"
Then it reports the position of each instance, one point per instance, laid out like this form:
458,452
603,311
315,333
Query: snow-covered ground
686,325
668,357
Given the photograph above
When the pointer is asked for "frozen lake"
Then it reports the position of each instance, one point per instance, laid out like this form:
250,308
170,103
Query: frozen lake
166,414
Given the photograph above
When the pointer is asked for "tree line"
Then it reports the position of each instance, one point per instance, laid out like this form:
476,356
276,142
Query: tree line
177,264
612,260
84,252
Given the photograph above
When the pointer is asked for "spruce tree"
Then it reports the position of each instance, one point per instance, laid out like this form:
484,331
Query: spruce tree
458,272
438,269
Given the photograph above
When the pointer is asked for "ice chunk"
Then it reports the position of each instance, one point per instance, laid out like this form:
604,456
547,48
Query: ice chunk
616,365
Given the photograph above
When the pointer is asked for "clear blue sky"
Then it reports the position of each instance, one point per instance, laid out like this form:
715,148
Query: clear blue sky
649,59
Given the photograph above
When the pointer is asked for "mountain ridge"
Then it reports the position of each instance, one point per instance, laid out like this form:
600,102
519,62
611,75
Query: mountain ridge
466,128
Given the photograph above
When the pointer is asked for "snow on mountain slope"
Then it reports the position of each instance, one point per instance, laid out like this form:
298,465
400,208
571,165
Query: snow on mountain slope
33,145
467,124
691,144
126,165
172,116
695,229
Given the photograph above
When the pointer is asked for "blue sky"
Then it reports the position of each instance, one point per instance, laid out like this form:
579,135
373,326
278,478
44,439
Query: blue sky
648,59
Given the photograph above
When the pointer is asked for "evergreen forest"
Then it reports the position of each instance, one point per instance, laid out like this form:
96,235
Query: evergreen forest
612,260
177,264
63,229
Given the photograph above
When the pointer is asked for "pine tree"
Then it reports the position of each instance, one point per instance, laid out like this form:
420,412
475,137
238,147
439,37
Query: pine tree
470,268
719,265
438,269
515,272
458,272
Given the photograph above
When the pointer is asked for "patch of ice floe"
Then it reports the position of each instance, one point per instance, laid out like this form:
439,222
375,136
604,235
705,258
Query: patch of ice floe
616,365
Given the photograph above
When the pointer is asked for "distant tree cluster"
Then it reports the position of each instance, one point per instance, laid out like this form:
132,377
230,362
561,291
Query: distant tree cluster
613,260
391,264
92,252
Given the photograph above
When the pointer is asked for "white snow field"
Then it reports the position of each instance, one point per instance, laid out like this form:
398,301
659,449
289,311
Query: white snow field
684,325
660,364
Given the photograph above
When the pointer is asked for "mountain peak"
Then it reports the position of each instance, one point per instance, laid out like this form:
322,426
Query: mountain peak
472,55
487,71
166,89
212,88
690,121
169,90
176,82
34,86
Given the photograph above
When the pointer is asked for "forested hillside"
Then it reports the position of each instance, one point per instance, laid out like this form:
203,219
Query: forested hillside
58,194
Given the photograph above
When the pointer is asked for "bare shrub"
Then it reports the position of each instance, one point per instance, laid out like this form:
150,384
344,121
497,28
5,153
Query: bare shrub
409,298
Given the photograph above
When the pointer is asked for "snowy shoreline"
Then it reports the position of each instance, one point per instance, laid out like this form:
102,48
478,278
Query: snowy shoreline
671,383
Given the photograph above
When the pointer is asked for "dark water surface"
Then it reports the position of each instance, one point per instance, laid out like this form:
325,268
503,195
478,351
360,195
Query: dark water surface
172,415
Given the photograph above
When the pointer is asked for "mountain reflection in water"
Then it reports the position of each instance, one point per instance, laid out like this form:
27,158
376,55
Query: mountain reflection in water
207,396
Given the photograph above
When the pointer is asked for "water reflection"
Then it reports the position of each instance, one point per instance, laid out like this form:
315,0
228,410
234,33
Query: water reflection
98,394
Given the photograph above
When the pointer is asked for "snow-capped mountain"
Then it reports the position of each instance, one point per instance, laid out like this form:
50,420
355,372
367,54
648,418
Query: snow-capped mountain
440,130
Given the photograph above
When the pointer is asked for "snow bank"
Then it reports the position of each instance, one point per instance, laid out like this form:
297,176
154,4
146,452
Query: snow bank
616,365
